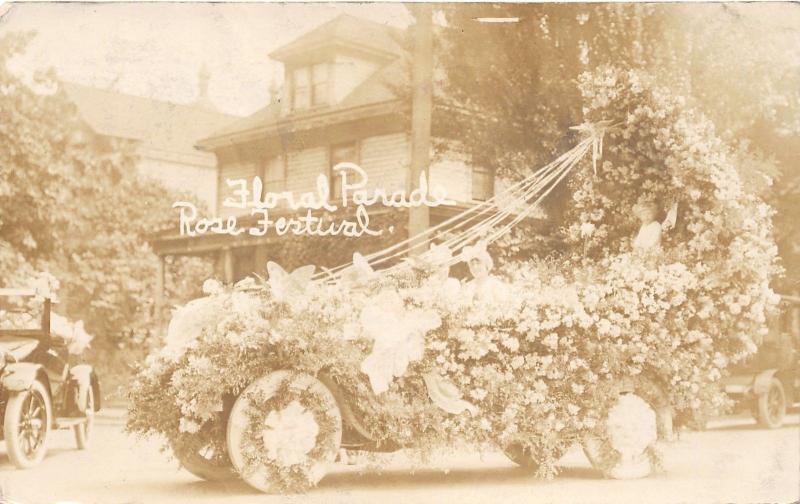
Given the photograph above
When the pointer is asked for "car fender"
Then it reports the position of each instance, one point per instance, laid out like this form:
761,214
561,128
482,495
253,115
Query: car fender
20,376
762,380
82,375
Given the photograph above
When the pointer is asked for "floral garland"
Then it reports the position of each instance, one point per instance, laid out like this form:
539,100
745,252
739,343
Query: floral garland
281,437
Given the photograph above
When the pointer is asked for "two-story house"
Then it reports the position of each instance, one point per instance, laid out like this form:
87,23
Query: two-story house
340,102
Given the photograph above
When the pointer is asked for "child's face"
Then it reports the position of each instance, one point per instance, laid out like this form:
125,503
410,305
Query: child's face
477,268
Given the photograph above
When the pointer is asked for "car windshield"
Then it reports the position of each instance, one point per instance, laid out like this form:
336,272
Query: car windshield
19,311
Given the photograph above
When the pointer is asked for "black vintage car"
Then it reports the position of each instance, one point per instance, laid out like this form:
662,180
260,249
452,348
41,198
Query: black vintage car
39,388
767,383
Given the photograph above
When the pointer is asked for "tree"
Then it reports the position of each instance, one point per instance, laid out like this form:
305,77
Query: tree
74,205
509,92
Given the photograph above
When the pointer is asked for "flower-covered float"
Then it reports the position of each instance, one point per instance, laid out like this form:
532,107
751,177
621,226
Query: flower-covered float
662,282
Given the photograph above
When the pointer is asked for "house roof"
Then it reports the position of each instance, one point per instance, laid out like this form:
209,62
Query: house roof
158,124
378,89
348,31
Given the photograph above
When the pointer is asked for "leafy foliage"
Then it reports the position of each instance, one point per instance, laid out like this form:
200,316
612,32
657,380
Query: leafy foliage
508,91
72,203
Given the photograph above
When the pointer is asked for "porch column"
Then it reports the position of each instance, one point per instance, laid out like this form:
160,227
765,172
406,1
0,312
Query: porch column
227,265
158,296
261,256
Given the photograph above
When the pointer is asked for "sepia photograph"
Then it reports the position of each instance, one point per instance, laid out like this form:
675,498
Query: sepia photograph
422,252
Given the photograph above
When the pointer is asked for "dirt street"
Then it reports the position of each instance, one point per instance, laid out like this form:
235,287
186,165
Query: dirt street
734,461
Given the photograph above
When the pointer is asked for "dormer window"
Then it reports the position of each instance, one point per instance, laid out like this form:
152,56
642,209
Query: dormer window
301,93
310,86
319,84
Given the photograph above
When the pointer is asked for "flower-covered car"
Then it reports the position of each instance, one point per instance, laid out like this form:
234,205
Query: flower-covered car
40,389
607,344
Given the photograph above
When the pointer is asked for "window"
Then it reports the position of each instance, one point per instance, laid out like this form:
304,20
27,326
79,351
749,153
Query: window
301,94
310,86
319,84
274,177
344,153
482,184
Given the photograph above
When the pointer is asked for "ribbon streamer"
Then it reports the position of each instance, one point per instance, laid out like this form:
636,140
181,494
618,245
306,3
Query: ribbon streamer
595,131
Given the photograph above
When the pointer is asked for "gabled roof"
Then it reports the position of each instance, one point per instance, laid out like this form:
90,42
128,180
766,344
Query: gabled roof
375,95
264,116
157,124
377,90
345,30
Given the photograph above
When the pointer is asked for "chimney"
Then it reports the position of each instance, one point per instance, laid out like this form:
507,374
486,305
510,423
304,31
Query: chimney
274,91
203,78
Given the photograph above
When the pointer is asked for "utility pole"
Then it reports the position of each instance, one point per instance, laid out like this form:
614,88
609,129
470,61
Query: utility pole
421,110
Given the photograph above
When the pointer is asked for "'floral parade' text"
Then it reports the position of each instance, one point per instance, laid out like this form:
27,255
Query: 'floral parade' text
353,192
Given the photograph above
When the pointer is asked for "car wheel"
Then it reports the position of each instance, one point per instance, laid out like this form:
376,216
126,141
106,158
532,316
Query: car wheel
83,430
284,431
631,431
527,459
772,405
26,425
209,462
203,453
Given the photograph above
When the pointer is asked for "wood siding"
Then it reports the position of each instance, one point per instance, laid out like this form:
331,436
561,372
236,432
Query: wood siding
233,171
303,167
386,159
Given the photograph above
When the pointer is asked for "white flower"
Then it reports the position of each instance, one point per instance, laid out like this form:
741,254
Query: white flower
587,228
212,287
398,336
188,322
551,340
289,434
188,426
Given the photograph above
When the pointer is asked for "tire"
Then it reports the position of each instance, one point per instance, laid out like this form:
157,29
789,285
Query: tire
525,458
204,453
772,405
265,471
206,464
26,426
83,431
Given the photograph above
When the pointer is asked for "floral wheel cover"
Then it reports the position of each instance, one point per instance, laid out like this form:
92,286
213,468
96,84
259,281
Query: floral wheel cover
626,447
283,432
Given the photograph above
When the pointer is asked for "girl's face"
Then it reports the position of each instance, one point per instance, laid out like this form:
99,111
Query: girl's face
477,268
646,213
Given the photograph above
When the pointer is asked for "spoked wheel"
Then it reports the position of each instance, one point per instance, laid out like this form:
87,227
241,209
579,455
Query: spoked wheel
208,462
772,405
27,424
284,431
83,430
207,459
